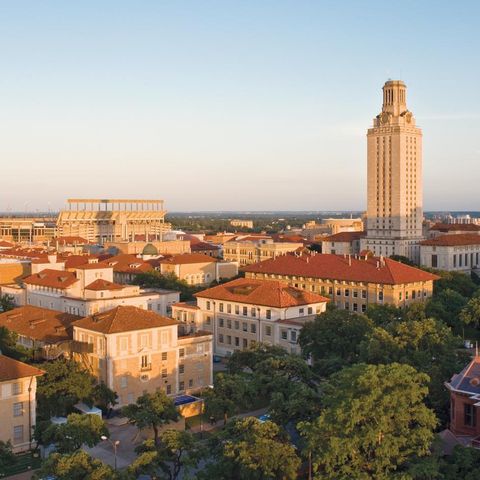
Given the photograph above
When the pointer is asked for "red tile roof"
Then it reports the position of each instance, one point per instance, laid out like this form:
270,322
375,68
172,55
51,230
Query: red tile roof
127,263
52,278
71,240
101,284
338,267
187,258
203,246
268,293
74,261
5,244
456,227
124,319
190,306
344,237
11,369
453,240
42,324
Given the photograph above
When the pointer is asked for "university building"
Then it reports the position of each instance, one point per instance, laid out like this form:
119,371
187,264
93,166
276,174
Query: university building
247,311
394,176
350,282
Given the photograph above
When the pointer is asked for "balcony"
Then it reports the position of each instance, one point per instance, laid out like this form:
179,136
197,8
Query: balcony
146,368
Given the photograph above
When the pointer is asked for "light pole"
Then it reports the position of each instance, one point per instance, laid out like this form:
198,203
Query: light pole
115,444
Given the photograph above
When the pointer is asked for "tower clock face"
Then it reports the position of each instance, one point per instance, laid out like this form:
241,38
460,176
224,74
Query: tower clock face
408,117
385,117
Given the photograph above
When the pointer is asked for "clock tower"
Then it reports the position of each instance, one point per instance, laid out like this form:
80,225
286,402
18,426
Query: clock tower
394,175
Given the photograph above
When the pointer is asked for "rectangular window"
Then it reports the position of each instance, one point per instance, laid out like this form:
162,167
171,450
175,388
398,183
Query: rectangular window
18,409
237,324
245,327
220,307
237,342
355,293
221,322
268,314
434,261
310,310
268,331
347,292
181,352
284,334
181,368
364,308
293,336
190,383
164,372
245,343
245,311
229,323
469,415
145,361
123,382
380,296
181,386
364,294
208,305
17,434
237,310
253,328
454,261
208,321
169,389
220,338
301,311
164,356
229,308
253,312
17,388
229,340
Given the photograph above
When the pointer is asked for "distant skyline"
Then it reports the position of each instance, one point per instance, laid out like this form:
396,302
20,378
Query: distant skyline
222,105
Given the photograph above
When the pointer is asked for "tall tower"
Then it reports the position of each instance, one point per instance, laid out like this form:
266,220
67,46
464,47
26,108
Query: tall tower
394,175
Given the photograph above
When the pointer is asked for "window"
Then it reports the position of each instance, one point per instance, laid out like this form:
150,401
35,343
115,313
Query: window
190,383
208,321
245,311
268,314
164,356
17,434
347,306
268,330
237,324
145,361
221,322
123,382
380,296
237,342
229,308
123,344
18,409
245,327
181,386
229,339
220,307
17,388
364,294
169,389
355,307
181,352
164,372
220,338
434,261
245,343
339,291
237,309
253,328
284,334
301,311
355,293
293,336
208,305
347,292
310,310
229,323
469,417
181,368
253,312
364,308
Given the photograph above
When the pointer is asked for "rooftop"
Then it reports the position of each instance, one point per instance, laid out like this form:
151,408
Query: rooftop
456,227
453,240
468,380
344,237
345,268
124,319
52,278
11,369
42,324
187,258
269,293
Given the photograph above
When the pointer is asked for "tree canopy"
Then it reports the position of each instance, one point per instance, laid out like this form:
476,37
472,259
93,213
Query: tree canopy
374,420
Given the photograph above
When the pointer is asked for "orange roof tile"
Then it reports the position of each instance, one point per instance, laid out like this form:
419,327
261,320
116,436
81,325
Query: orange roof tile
127,263
124,319
71,240
11,369
453,240
344,237
338,267
101,284
186,258
270,293
456,227
52,278
42,324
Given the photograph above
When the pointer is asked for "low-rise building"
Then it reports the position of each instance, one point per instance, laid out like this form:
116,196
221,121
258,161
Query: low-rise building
46,332
241,223
342,243
18,388
459,252
244,311
136,351
464,389
198,269
440,229
253,249
126,267
90,289
350,282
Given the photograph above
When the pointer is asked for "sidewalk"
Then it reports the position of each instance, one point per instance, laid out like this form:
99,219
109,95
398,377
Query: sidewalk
207,426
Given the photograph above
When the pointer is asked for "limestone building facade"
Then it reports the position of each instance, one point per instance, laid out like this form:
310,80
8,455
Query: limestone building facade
394,177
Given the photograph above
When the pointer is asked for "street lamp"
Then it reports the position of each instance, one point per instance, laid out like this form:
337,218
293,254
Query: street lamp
115,444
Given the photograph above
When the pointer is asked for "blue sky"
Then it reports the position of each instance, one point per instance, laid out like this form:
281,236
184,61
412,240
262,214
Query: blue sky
215,105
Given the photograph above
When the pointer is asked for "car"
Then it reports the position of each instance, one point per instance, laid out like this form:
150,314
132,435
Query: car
264,418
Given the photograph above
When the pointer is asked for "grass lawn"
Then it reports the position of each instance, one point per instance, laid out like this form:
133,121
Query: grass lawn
25,462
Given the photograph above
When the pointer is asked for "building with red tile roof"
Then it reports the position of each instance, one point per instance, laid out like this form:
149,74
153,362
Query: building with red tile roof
244,311
343,243
18,384
351,282
456,252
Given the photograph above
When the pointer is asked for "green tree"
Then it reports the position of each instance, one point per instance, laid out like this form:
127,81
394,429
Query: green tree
7,302
250,358
403,259
374,420
251,450
470,314
7,457
176,452
463,463
104,397
169,281
65,383
152,410
9,346
457,281
333,339
231,392
76,466
446,306
382,315
79,430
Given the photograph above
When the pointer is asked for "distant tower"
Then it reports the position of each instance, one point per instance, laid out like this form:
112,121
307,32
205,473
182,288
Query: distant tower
394,175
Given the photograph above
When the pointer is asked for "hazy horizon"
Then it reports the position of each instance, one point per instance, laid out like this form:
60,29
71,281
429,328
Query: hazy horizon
223,105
